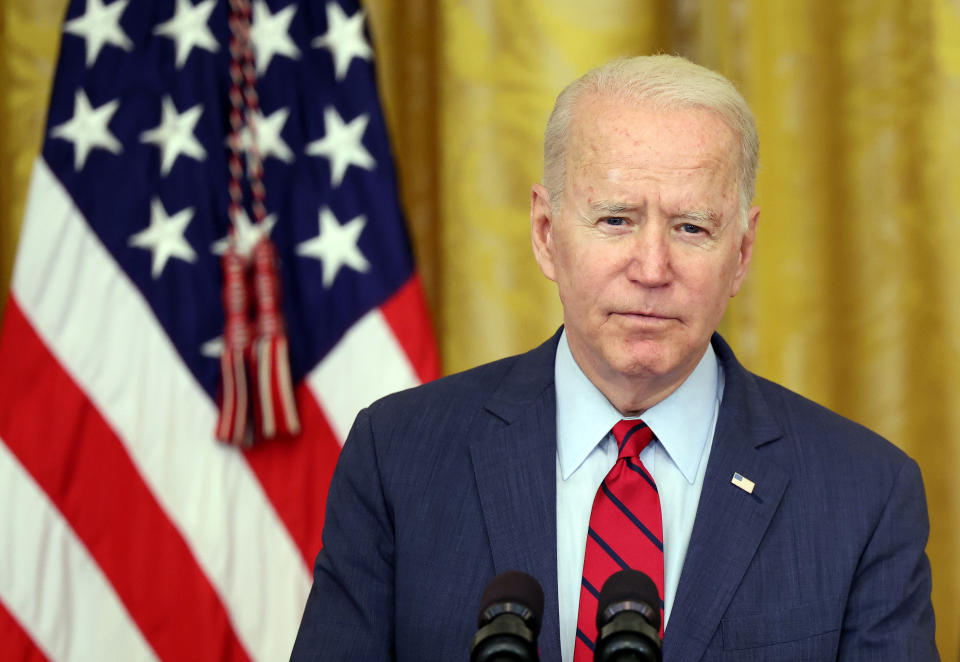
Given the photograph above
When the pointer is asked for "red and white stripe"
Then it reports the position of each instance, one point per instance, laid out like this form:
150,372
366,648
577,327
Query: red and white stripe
127,531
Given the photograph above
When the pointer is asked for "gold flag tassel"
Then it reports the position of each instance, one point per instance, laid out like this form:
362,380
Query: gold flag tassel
234,392
274,406
275,410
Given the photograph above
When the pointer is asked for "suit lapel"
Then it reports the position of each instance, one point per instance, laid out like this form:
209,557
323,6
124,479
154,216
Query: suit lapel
730,522
514,465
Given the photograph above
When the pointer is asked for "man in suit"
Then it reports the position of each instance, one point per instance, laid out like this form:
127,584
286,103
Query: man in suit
788,532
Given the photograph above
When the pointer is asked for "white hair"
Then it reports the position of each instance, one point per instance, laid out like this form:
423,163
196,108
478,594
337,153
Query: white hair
657,82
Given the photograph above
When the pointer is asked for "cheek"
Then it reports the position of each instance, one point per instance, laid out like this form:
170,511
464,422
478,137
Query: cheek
714,290
590,276
581,291
574,264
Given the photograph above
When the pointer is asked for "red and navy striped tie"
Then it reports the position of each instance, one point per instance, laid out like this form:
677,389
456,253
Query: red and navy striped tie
626,531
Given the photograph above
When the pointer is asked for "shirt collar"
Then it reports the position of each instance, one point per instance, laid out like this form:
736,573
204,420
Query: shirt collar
681,422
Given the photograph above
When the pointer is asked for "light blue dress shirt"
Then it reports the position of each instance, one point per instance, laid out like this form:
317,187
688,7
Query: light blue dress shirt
586,451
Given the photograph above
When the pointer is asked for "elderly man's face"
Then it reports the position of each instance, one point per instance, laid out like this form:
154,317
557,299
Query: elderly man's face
648,245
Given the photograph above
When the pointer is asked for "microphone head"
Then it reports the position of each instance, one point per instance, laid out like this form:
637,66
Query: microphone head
629,590
513,592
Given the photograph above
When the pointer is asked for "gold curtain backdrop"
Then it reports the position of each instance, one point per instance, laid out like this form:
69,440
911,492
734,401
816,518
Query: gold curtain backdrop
854,294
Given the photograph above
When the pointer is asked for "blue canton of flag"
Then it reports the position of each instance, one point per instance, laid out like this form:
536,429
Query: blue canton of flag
139,120
134,534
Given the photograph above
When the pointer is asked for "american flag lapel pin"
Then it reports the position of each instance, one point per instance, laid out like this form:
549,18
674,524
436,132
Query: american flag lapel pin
744,484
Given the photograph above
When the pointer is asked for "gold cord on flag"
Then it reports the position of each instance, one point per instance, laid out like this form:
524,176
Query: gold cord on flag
251,282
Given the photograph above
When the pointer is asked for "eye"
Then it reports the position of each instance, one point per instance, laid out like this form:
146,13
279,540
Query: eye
690,228
615,220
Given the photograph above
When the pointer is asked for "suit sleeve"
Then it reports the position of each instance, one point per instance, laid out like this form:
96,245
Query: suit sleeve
349,613
889,615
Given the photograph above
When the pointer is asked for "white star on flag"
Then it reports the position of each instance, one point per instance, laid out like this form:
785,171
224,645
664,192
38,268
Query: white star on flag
164,237
343,38
245,234
270,34
87,129
269,141
188,29
100,25
336,246
342,144
213,348
174,135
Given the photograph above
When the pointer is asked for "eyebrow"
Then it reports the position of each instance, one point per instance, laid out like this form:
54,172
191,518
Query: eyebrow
701,216
613,207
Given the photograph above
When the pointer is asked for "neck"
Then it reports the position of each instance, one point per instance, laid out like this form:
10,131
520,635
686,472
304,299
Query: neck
633,394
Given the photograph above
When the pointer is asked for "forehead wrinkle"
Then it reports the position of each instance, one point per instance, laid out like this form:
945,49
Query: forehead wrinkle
629,168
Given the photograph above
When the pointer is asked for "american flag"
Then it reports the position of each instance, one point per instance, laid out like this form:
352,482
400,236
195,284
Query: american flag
127,532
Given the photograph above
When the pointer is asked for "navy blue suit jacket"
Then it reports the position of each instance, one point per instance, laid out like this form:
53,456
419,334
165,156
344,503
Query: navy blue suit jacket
443,486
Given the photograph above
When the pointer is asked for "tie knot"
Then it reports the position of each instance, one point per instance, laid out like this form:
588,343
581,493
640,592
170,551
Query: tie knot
632,437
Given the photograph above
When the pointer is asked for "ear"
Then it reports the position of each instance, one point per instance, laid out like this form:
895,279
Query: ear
541,230
746,249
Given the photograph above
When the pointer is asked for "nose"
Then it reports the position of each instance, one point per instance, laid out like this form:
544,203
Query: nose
649,257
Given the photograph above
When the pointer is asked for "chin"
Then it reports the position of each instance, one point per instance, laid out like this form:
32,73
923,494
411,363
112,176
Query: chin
648,359
639,364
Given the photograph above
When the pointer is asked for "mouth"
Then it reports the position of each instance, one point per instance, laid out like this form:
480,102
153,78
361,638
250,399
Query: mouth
644,324
651,316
